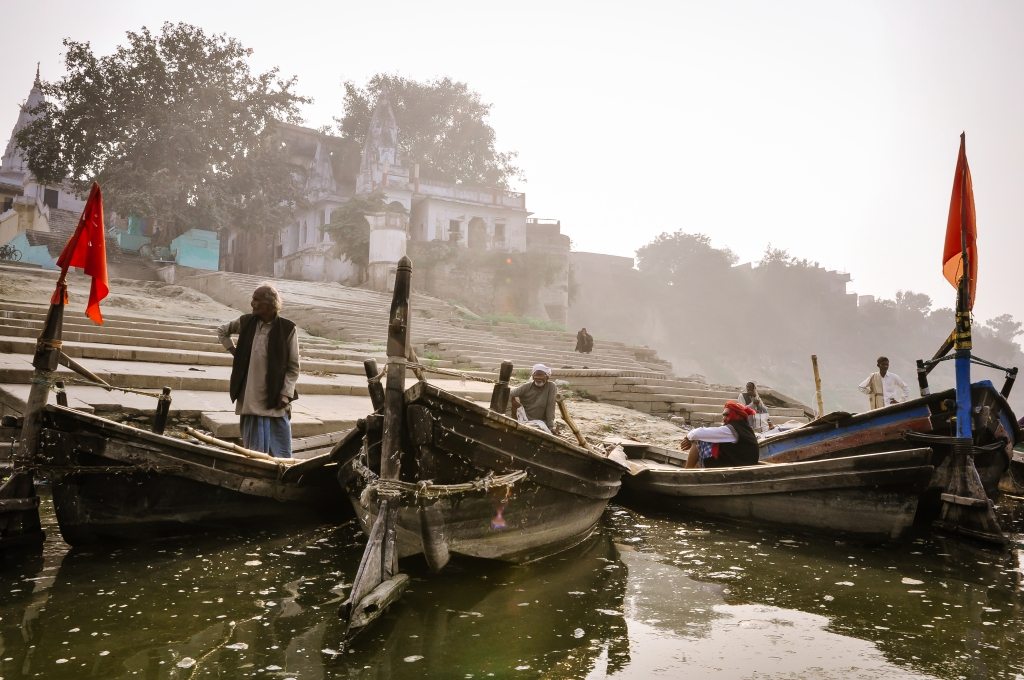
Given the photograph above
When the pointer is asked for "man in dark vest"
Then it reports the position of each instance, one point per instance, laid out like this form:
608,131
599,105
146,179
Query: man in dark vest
731,444
263,373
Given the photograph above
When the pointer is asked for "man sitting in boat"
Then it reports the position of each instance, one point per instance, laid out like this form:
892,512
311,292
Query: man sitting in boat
537,399
731,444
263,373
884,388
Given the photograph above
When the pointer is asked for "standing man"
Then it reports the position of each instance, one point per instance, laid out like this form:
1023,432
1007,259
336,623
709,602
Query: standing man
884,388
263,373
538,399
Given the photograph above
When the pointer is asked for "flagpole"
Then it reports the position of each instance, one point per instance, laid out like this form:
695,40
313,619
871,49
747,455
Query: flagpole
962,339
965,507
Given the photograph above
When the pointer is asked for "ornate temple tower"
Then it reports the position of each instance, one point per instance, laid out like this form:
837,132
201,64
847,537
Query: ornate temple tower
12,163
380,150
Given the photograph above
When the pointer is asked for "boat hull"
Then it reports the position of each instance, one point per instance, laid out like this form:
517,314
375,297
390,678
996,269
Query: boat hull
555,503
118,483
873,497
892,428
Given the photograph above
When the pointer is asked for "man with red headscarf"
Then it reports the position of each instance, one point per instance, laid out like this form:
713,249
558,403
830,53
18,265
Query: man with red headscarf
731,444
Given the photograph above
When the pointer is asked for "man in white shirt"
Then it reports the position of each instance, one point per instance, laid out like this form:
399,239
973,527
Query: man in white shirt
884,388
263,373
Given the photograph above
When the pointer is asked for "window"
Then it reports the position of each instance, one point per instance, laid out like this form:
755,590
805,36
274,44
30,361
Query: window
7,204
50,197
454,230
499,232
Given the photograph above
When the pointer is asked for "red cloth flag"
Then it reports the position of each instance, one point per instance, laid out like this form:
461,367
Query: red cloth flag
87,249
961,222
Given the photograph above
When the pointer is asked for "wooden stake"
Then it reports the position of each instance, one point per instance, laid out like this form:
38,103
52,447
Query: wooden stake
817,385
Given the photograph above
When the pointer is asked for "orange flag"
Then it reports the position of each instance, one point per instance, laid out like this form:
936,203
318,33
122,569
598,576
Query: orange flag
961,221
87,249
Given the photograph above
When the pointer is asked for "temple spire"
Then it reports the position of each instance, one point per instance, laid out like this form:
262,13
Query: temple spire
13,160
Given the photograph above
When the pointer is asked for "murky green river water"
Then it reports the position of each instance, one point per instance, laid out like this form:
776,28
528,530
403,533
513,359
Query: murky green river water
646,597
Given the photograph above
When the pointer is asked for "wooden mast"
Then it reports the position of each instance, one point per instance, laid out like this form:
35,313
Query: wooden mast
19,504
966,508
377,582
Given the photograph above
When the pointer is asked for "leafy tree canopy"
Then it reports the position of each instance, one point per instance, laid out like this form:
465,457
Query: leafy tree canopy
781,257
442,126
1004,327
678,255
910,301
174,126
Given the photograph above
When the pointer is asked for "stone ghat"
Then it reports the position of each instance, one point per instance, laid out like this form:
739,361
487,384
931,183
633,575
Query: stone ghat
143,349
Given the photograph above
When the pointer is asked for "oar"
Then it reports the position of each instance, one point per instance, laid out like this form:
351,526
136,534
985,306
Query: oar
235,448
572,425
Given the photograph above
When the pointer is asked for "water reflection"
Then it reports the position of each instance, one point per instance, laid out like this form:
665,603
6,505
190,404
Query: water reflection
648,596
556,618
934,607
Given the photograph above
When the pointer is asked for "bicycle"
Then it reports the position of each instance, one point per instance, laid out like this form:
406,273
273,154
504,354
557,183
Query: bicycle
9,253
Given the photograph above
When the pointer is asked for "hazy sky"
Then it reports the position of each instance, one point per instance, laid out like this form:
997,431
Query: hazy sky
829,129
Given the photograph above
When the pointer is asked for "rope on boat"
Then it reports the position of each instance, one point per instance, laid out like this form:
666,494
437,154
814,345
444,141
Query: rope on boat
427,489
82,381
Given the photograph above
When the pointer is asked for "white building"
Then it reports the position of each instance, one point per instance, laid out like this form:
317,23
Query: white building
25,204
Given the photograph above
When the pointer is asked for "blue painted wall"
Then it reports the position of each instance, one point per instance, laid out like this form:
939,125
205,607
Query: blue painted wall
198,248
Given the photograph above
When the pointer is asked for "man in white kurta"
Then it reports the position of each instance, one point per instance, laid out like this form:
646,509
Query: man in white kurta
265,418
884,388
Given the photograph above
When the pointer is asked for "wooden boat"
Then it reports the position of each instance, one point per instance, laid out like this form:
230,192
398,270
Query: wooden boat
928,421
435,474
868,497
115,482
479,484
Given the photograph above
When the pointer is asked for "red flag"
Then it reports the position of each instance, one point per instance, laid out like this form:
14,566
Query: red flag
87,249
961,223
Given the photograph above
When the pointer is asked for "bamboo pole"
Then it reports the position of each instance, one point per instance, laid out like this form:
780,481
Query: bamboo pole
817,385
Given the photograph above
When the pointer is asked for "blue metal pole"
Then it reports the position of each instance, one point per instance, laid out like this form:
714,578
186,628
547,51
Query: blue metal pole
963,393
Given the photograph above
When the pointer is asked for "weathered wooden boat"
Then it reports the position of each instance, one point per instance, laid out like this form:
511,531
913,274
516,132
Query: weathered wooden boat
111,481
871,497
479,484
927,421
437,475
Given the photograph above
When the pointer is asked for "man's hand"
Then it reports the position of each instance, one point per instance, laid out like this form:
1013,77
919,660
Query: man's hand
685,444
516,403
892,400
283,401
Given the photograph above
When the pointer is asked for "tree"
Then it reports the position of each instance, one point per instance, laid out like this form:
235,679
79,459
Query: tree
1004,327
676,256
917,303
174,126
442,127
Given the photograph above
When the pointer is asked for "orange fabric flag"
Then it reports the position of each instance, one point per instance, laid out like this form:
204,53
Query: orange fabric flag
87,249
961,221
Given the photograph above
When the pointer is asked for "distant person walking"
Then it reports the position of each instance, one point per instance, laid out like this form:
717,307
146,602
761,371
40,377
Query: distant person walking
883,387
584,341
263,373
537,398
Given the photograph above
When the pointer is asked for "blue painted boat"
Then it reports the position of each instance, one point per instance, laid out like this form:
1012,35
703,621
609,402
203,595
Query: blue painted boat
926,421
